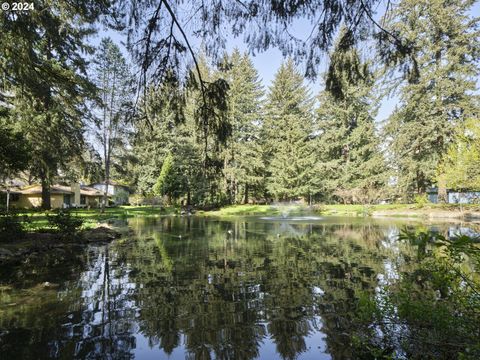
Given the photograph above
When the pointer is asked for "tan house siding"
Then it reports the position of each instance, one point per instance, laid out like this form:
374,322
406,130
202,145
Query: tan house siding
31,196
28,201
92,201
56,201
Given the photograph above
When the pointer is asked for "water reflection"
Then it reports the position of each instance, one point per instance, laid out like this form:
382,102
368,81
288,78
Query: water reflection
197,288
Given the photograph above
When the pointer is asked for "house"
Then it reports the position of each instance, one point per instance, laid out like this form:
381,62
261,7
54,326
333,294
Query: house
61,196
118,192
455,196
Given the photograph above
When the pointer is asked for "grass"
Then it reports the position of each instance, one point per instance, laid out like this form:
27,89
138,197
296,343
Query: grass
341,209
38,219
238,210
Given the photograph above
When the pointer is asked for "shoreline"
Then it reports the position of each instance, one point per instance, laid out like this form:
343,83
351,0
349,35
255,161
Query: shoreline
36,243
454,213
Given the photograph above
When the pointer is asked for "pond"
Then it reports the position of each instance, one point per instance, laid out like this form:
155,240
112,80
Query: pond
196,287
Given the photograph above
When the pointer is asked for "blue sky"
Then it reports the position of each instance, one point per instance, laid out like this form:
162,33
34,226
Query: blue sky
268,62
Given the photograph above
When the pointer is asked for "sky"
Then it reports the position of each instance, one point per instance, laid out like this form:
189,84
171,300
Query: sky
268,62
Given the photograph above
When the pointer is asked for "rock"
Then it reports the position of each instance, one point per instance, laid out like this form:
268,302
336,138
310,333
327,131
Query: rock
5,253
100,234
49,285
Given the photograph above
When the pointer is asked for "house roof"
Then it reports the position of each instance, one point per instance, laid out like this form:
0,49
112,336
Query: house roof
11,191
60,189
89,191
54,189
110,182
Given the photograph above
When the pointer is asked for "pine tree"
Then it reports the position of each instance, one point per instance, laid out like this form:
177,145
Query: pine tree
114,81
287,135
169,134
351,164
154,138
43,58
243,155
441,69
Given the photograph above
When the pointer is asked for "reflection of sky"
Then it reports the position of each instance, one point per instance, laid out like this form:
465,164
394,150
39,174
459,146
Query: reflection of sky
315,347
144,351
390,275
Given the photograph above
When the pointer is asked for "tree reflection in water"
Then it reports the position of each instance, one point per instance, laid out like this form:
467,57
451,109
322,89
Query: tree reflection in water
199,288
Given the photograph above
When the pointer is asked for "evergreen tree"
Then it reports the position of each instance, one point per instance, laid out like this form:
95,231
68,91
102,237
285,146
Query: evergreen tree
165,180
243,155
351,164
14,151
168,134
112,76
288,132
213,128
43,60
154,137
441,67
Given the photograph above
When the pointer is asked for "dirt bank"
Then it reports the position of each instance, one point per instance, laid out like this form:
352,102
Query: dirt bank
38,242
440,214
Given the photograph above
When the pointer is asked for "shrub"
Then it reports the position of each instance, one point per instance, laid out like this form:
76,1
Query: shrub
11,226
421,200
66,224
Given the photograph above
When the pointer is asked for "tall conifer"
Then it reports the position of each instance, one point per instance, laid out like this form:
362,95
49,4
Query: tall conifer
288,133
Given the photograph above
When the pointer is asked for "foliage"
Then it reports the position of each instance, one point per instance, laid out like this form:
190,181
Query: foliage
461,165
11,225
14,151
436,304
243,168
121,196
288,147
45,70
421,199
163,186
114,82
352,167
440,71
66,224
158,40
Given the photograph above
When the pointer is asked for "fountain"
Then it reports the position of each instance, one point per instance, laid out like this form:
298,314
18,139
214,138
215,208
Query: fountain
286,208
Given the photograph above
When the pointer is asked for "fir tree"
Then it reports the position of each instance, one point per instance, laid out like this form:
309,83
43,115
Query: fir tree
287,135
351,164
114,81
243,162
440,67
43,58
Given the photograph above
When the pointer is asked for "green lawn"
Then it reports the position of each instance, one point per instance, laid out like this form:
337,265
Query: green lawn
38,219
236,210
336,209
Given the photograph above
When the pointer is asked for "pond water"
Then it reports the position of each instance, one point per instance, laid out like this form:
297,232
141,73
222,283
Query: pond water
193,287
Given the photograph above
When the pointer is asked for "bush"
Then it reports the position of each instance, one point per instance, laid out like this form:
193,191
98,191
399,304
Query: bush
11,226
66,224
421,200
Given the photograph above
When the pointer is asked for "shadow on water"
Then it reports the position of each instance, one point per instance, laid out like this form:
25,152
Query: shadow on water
201,288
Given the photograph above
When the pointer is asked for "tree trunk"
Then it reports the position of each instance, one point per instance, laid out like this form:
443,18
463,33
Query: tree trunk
189,198
246,194
442,190
105,195
46,203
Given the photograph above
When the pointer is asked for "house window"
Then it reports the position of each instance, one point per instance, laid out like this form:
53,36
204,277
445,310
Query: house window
66,199
83,199
14,197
